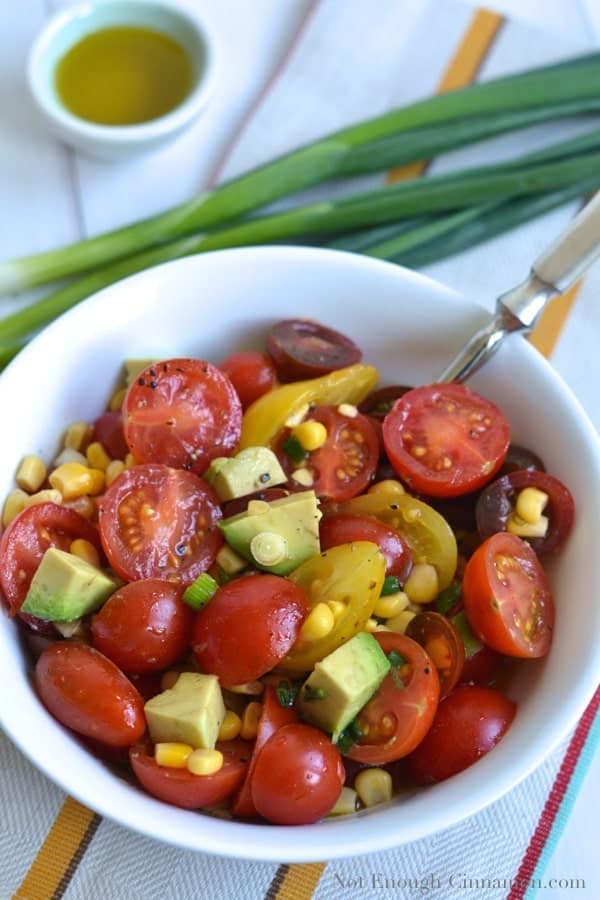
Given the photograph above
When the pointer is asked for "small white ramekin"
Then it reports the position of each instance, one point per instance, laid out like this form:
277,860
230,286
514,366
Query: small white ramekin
113,142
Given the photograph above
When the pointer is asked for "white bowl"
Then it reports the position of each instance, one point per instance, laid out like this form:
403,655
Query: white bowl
410,327
71,25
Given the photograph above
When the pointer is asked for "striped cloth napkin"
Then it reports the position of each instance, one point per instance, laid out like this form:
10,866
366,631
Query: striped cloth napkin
346,64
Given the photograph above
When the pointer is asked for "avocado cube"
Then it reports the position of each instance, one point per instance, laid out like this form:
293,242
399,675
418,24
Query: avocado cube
66,587
191,712
276,536
342,683
251,470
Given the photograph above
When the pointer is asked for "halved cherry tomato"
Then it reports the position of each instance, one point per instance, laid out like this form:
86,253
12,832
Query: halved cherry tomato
380,402
180,788
182,413
248,627
467,725
401,710
346,463
144,627
273,717
426,532
347,527
497,502
301,348
442,642
351,574
445,440
507,597
298,776
108,429
251,373
86,692
24,543
157,522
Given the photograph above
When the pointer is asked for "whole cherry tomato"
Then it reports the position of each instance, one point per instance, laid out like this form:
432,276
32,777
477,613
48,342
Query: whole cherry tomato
251,373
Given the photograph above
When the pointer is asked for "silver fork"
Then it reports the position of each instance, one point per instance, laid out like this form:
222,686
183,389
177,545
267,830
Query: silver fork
519,309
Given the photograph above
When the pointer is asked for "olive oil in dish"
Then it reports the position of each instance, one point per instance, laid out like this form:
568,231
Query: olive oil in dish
124,76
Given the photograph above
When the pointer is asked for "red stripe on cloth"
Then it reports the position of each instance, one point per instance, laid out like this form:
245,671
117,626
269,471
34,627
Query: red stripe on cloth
263,93
553,803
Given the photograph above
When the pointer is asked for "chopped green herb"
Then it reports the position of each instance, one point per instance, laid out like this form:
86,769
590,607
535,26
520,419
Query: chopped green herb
396,659
472,644
349,736
391,585
447,598
312,693
294,450
200,591
287,693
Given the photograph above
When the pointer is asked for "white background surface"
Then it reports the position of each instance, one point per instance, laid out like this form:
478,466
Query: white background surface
49,196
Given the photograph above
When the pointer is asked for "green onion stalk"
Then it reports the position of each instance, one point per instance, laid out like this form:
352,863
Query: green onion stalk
416,131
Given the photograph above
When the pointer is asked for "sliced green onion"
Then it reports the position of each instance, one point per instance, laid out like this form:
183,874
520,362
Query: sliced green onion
200,591
287,692
391,585
396,659
349,736
294,449
448,598
472,643
313,693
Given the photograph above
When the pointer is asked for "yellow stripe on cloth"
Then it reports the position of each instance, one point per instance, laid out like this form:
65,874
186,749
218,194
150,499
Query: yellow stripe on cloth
463,68
298,882
58,856
552,321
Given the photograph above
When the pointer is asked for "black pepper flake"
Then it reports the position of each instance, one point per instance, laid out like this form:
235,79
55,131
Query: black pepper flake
427,670
152,372
165,367
153,385
180,549
205,369
394,506
264,477
141,382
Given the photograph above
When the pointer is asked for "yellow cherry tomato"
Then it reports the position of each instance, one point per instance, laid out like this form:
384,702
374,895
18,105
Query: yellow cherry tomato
351,574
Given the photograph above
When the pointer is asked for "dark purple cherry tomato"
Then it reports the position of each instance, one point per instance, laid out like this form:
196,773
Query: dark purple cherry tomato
519,458
240,504
497,501
379,403
301,349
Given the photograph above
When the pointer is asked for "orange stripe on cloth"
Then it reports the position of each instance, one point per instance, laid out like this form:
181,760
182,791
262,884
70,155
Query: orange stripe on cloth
298,882
59,855
552,321
463,68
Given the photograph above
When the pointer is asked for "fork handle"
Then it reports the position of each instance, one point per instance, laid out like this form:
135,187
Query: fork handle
570,255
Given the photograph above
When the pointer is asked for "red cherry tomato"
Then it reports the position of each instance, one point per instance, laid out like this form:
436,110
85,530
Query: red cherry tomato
24,543
251,373
304,349
442,643
298,776
467,725
144,627
108,429
496,503
346,463
157,522
183,413
400,712
482,667
86,692
345,528
445,440
248,627
273,717
180,788
507,597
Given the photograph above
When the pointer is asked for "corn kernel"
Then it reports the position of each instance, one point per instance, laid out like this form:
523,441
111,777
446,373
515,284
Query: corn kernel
84,550
85,506
371,625
391,605
318,623
523,529
45,496
78,436
172,754
204,762
399,623
97,456
130,461
338,608
531,503
113,470
13,505
373,786
250,718
348,409
296,417
74,480
310,434
249,688
67,455
303,476
31,474
228,560
345,803
230,726
388,486
116,401
422,585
